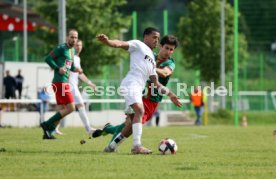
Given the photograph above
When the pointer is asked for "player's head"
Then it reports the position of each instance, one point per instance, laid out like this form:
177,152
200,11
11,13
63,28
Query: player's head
72,37
167,46
78,47
151,37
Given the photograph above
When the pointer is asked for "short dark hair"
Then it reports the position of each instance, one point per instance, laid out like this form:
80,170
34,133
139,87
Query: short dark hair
70,31
149,30
169,39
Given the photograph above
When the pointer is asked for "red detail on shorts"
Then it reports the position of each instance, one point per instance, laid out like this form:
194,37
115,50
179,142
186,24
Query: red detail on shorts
150,107
63,93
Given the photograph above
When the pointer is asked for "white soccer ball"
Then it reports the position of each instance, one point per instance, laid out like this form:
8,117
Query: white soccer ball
167,146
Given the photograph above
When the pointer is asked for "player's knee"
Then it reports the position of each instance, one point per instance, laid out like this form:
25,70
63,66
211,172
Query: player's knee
71,108
140,111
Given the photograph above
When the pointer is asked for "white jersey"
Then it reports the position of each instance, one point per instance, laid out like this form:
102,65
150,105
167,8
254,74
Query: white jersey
142,63
142,66
74,77
74,81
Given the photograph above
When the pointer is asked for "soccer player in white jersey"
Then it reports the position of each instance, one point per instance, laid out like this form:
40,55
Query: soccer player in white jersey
142,68
73,81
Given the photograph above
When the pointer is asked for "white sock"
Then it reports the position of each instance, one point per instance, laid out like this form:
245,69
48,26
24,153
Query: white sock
137,133
84,119
117,140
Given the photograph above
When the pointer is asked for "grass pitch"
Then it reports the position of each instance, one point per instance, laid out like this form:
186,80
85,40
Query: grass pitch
203,152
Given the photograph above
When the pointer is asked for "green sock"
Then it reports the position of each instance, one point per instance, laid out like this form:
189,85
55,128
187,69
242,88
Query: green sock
110,129
118,130
51,122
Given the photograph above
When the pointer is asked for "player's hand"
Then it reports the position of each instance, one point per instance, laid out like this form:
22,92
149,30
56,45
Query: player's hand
175,100
102,38
92,85
62,70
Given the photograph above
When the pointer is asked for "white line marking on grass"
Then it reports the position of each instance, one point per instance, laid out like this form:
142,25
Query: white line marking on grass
198,136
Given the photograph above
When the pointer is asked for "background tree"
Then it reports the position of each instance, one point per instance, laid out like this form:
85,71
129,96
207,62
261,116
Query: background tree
199,35
260,29
89,18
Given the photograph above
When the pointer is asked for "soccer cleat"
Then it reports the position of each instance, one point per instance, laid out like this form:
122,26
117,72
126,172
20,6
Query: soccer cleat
99,132
46,132
109,149
139,149
46,137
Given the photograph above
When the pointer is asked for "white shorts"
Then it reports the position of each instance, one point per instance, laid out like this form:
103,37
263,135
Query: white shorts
76,94
132,92
129,110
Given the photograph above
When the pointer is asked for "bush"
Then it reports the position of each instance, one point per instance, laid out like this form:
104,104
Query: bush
222,116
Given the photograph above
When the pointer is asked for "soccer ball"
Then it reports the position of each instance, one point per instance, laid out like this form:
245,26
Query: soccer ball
167,146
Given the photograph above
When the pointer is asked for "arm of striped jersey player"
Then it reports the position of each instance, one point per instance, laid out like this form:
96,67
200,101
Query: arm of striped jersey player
51,59
165,90
164,72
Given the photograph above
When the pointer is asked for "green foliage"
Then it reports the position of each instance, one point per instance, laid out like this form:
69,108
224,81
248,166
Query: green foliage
222,117
203,152
260,27
89,18
223,113
199,35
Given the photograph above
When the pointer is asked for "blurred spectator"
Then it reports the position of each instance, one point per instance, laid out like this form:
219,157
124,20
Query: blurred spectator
44,96
19,81
197,101
10,86
156,114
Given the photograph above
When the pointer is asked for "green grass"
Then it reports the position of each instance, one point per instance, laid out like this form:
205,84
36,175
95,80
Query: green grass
204,152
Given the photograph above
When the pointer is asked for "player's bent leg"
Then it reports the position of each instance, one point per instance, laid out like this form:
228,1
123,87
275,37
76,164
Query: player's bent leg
50,125
101,132
127,130
57,131
64,110
68,108
120,137
112,147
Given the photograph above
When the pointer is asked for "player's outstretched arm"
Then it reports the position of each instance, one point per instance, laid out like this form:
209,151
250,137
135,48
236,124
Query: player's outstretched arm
84,78
112,43
164,72
78,70
165,90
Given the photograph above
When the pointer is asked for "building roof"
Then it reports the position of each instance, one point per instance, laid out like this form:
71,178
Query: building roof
13,14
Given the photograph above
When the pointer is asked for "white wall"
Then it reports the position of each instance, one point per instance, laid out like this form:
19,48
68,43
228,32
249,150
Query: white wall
97,118
35,75
32,119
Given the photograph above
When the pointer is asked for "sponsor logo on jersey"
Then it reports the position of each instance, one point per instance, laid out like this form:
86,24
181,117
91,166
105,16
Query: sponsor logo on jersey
152,61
